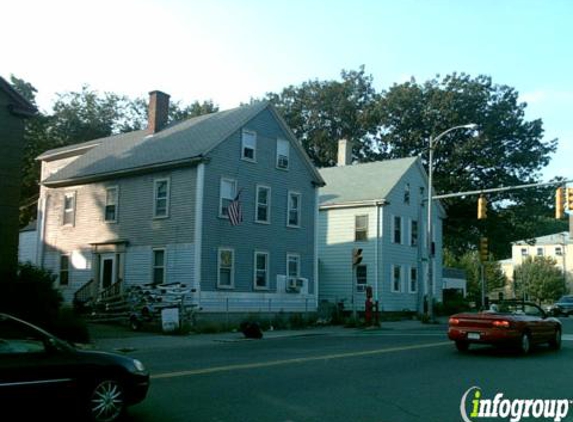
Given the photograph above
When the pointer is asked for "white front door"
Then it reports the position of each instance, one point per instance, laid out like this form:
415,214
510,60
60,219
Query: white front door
107,270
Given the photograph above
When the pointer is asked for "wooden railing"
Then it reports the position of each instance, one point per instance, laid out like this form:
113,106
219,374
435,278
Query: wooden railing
87,293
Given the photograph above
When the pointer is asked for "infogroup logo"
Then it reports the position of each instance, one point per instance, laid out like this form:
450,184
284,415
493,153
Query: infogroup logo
474,406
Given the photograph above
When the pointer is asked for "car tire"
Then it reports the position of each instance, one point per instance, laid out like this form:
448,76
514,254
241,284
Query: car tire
555,342
525,343
462,346
106,401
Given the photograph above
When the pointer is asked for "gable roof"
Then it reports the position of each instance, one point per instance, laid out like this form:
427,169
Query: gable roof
19,105
362,182
179,144
551,239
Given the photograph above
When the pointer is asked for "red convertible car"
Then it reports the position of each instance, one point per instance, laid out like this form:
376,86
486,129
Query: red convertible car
518,324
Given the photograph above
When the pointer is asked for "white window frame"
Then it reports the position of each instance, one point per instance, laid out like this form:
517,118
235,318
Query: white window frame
232,269
393,278
233,194
72,212
256,270
298,210
362,229
156,267
279,155
67,270
414,241
407,194
296,256
413,270
115,204
156,182
267,205
245,135
524,252
540,252
394,217
558,251
365,283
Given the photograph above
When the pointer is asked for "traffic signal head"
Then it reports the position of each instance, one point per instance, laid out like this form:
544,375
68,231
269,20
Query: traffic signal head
569,199
483,249
560,202
482,208
356,256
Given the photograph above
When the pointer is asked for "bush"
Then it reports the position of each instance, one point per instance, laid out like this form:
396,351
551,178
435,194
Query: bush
71,327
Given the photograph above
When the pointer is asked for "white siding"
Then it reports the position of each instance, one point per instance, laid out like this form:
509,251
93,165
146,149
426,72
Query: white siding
28,246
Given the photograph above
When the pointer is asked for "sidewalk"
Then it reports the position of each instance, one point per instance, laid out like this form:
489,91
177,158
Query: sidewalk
118,337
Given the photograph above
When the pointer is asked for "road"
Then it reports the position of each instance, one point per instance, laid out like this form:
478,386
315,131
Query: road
347,376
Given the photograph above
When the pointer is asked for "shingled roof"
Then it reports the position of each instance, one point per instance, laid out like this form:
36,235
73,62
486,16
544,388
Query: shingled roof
179,144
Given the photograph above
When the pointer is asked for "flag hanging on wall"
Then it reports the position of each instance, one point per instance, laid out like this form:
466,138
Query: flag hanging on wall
235,213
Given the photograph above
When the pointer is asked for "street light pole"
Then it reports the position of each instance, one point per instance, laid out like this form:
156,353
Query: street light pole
430,252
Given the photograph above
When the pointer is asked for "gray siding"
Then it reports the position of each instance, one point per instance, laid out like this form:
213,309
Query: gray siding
275,238
28,246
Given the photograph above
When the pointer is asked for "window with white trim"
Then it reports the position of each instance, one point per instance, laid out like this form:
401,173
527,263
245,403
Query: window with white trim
161,189
293,213
64,270
414,233
407,193
558,251
360,228
524,252
249,145
413,285
226,268
261,275
227,193
283,153
159,266
263,205
397,230
539,251
293,266
69,217
396,278
111,200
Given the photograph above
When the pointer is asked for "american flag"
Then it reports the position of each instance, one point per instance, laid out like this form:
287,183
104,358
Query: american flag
234,210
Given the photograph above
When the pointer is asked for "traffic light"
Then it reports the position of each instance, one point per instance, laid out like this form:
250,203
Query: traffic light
356,256
560,202
483,250
482,208
569,199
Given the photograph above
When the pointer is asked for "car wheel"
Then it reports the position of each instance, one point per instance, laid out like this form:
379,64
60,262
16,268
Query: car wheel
106,401
462,346
555,342
525,343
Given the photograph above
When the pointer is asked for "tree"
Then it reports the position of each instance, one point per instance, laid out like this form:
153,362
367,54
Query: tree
320,113
507,151
470,263
540,279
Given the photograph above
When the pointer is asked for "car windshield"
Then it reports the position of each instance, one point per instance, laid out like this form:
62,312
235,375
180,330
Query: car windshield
519,309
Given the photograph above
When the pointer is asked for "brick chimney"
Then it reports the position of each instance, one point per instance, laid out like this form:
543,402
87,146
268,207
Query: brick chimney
344,152
158,111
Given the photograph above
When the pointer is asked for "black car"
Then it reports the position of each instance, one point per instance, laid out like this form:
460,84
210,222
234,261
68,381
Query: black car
39,372
563,306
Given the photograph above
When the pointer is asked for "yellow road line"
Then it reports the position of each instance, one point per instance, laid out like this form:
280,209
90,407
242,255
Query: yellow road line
294,360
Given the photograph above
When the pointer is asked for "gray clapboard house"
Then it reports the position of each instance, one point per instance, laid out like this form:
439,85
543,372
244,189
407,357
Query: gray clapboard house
378,207
152,206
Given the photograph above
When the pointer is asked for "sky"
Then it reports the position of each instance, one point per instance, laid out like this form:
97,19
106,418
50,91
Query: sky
232,51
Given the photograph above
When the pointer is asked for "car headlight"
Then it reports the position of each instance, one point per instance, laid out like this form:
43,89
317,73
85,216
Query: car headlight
138,365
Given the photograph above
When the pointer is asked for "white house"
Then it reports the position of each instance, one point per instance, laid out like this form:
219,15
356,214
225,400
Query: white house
378,207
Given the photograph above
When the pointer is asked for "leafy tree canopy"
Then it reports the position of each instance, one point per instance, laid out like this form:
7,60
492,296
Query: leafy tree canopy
540,279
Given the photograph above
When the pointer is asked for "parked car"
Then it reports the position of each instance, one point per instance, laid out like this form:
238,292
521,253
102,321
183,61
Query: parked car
37,369
564,306
511,323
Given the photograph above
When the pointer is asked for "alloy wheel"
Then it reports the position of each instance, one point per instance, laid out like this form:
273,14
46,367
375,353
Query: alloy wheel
107,401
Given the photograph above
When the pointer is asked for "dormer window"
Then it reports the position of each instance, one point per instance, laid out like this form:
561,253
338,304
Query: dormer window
249,146
283,152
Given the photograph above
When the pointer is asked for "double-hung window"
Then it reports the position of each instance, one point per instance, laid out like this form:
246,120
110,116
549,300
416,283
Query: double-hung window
111,200
161,198
414,233
225,268
261,274
159,266
69,209
397,232
293,266
361,275
263,210
396,278
360,228
283,153
293,213
413,280
64,270
227,192
249,145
